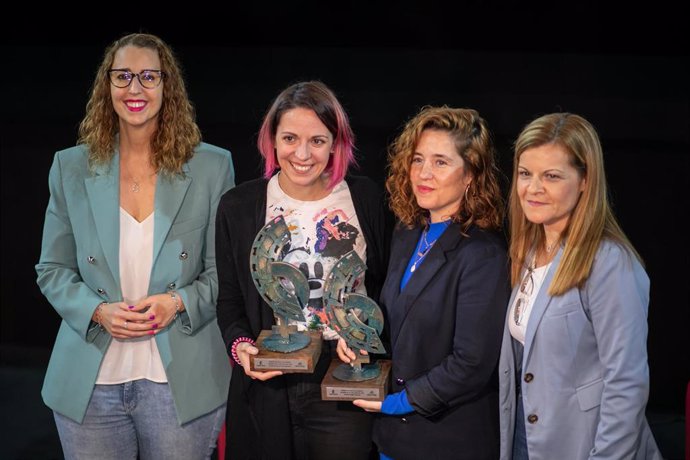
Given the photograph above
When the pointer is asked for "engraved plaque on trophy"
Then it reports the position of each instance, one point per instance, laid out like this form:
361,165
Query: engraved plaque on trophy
361,378
286,290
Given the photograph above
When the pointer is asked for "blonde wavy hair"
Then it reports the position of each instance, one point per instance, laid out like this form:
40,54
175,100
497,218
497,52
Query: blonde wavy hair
592,219
483,204
177,134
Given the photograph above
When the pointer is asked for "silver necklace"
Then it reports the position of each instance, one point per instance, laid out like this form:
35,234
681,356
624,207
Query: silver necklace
421,253
549,247
135,187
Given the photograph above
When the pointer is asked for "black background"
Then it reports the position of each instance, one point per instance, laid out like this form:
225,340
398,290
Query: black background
625,70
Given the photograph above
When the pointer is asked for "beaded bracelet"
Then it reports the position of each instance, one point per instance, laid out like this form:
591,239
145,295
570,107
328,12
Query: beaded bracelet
233,347
176,299
97,314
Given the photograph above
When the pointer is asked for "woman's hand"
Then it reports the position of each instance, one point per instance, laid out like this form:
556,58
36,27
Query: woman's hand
345,353
369,406
160,310
244,351
124,321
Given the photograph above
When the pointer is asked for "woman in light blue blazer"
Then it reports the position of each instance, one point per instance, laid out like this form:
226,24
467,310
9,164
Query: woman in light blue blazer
573,371
128,261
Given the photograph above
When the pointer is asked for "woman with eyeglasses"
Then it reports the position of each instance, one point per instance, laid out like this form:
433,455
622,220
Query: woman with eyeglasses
128,261
446,291
573,371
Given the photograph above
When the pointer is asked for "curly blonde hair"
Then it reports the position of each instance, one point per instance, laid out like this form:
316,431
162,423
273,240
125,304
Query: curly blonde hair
483,205
177,134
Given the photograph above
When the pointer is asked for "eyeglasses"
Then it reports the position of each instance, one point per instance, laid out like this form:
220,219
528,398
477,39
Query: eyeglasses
526,288
148,79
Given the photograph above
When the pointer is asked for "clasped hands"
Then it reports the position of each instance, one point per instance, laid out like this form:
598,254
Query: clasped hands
146,317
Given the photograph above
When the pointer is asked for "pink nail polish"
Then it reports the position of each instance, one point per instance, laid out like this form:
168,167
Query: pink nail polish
154,326
152,317
152,332
130,307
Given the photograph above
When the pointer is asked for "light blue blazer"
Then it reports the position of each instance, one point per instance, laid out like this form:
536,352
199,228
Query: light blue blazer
585,378
79,268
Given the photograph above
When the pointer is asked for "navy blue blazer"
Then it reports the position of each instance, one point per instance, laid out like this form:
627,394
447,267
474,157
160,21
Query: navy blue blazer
445,329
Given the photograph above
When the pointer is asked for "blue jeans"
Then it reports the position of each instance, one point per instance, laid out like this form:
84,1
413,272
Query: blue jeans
520,451
137,418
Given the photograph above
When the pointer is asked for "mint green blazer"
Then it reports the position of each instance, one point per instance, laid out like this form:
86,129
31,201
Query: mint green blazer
79,268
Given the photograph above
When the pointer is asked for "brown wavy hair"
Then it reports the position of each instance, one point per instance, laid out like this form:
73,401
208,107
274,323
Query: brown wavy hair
177,133
484,204
592,219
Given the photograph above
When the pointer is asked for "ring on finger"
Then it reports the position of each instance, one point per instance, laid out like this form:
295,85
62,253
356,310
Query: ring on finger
126,326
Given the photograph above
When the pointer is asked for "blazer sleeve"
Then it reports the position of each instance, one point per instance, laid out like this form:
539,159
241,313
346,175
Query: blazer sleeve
200,295
617,296
231,306
463,375
58,272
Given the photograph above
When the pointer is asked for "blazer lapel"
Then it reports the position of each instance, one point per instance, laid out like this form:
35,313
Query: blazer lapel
170,193
435,259
103,191
539,308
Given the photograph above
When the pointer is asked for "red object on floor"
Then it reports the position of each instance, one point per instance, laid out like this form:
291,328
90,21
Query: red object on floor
687,422
221,444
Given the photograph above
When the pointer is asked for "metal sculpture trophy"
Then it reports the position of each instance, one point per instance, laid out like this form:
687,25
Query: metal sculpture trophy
361,379
286,290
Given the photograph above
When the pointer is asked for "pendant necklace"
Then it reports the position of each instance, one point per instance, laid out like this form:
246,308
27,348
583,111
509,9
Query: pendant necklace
421,253
135,187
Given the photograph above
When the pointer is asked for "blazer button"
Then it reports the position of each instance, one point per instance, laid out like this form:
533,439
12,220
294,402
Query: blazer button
91,260
171,286
403,420
101,291
400,381
184,255
532,418
529,377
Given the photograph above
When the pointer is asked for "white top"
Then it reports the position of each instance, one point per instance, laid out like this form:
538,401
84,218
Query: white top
322,231
518,331
133,359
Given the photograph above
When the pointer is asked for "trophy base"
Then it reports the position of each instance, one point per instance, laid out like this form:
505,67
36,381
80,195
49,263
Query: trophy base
296,341
301,361
373,389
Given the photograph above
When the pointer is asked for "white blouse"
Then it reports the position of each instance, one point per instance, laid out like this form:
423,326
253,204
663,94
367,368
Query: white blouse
133,359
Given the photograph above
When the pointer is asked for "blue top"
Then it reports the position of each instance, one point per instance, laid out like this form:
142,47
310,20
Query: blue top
426,241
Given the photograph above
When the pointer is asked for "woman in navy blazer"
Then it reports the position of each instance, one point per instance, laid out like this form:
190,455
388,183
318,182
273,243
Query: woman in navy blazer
128,262
573,371
446,292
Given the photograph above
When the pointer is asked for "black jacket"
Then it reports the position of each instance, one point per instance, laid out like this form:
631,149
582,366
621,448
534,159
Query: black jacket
446,328
258,418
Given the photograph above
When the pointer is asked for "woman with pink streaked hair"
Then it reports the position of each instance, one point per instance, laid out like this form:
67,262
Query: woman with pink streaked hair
308,146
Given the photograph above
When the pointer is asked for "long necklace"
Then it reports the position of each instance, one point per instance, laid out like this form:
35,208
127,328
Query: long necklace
421,253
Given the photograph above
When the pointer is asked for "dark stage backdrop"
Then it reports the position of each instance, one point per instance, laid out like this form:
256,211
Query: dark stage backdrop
633,88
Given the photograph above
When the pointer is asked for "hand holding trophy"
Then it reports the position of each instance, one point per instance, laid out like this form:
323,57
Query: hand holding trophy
286,290
360,379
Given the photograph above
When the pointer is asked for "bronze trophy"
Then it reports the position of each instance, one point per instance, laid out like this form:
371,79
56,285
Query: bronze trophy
286,290
361,379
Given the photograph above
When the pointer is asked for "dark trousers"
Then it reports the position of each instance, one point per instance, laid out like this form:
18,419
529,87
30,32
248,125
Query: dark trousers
326,430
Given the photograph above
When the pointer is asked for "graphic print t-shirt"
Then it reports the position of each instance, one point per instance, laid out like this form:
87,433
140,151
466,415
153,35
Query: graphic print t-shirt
321,233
